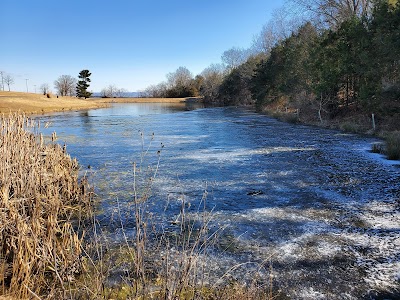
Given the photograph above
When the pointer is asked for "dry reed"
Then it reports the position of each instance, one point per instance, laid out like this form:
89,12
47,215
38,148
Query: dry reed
39,193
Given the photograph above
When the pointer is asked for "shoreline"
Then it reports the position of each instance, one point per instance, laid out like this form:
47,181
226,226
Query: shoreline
358,123
35,104
147,100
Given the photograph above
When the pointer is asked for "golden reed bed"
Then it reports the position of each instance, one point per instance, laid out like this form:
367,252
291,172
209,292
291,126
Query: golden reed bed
39,194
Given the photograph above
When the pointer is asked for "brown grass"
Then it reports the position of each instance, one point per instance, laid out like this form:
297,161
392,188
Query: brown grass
37,104
39,193
393,145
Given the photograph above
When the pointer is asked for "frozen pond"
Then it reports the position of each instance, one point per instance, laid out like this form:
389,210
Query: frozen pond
313,205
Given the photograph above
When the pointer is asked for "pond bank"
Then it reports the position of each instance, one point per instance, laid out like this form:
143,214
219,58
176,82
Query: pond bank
372,125
148,100
31,103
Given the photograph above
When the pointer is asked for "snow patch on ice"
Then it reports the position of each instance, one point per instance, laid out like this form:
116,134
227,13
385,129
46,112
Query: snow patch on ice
223,155
382,215
310,293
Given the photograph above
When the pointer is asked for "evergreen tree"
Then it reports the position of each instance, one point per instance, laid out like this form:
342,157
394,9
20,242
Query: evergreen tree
235,88
83,84
286,74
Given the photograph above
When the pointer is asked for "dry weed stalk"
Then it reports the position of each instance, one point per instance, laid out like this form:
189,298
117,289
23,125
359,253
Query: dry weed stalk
39,193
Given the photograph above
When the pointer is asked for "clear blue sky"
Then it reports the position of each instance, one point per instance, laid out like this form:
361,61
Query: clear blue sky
129,43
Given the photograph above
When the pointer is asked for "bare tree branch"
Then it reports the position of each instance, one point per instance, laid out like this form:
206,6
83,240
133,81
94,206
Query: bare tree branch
65,85
9,80
333,12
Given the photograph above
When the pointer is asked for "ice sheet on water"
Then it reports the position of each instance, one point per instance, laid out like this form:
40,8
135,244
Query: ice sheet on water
327,214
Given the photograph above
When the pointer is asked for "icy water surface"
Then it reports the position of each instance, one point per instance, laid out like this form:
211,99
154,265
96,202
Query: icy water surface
313,205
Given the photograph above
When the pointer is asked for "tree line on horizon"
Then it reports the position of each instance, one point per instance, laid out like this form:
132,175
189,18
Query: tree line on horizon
320,57
67,85
335,56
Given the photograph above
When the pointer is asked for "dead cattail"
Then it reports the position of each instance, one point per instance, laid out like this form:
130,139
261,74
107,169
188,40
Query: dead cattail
39,193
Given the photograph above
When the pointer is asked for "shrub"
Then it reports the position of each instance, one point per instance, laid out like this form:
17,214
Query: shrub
350,127
378,147
393,145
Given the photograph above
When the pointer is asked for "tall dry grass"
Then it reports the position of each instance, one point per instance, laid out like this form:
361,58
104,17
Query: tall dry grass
39,194
393,145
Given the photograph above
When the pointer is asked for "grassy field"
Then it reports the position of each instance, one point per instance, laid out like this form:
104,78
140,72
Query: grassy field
31,103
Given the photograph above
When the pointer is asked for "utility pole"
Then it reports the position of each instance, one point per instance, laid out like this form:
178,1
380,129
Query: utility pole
35,87
2,80
26,81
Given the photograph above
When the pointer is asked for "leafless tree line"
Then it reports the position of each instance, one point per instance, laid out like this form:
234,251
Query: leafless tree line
65,85
332,13
6,79
112,91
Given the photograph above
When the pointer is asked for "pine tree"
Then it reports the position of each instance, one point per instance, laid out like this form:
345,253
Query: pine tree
83,84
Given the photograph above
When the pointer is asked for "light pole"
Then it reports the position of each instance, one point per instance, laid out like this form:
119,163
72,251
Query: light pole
26,82
2,80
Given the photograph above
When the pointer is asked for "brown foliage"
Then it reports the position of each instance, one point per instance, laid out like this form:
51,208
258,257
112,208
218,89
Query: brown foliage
39,193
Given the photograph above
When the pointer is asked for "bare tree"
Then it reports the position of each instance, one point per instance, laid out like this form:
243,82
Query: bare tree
181,77
65,85
333,12
266,39
234,57
109,92
157,91
120,92
280,27
9,80
212,79
44,88
104,93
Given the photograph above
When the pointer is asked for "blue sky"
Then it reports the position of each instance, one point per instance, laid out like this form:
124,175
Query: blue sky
131,44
